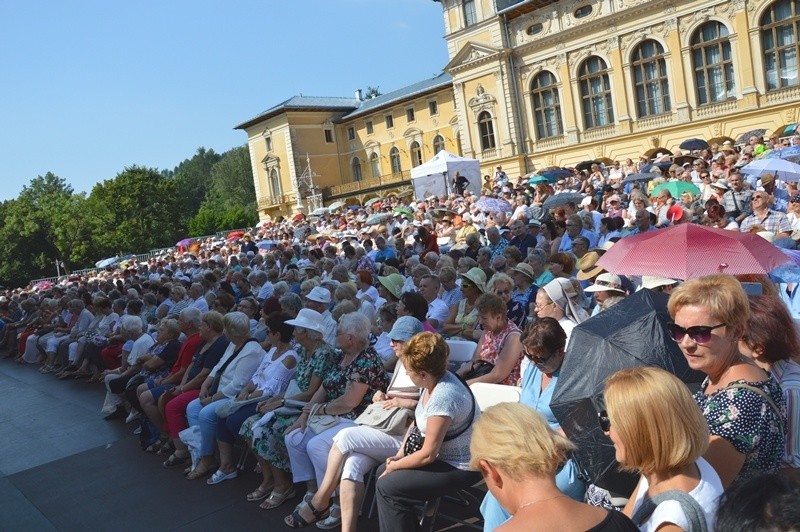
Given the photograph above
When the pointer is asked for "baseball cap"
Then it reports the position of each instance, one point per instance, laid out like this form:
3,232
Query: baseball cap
404,328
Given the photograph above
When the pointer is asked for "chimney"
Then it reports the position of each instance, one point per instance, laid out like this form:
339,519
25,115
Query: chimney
357,95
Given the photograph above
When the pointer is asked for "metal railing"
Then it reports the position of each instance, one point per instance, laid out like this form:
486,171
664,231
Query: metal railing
265,202
367,184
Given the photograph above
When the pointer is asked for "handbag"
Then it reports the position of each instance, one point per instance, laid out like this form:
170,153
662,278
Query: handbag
320,422
479,369
414,441
226,409
291,407
389,420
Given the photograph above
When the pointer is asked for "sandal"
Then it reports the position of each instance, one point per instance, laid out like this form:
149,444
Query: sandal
296,521
277,498
166,448
260,493
174,461
200,471
333,520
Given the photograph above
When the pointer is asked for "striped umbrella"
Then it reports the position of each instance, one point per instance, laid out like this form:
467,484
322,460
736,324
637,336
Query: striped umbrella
687,251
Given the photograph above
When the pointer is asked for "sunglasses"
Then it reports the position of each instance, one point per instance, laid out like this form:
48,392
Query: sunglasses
604,421
534,358
465,284
700,334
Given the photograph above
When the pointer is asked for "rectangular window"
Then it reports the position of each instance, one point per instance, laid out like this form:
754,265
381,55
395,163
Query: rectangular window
370,128
410,114
269,143
389,122
433,107
469,13
351,133
329,136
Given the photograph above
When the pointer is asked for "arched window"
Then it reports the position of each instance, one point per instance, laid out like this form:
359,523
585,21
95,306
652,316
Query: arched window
356,169
416,154
713,63
546,106
598,110
394,158
438,144
275,183
375,163
650,79
780,26
486,127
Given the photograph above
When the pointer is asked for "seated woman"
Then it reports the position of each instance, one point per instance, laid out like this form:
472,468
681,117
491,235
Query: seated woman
413,304
356,374
771,341
357,450
543,344
560,299
659,432
266,434
503,286
97,333
463,318
222,385
743,405
173,402
444,419
519,463
270,379
387,316
137,343
499,344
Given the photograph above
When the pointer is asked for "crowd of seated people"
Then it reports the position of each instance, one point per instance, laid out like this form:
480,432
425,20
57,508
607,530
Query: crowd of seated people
296,350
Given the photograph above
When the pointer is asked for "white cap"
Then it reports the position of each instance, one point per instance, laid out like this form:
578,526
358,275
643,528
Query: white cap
320,295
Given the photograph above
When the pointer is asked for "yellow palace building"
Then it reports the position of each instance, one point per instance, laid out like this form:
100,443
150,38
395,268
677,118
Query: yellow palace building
534,83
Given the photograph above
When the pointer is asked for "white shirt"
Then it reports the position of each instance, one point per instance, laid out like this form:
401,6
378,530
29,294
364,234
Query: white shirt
706,493
438,310
200,303
140,347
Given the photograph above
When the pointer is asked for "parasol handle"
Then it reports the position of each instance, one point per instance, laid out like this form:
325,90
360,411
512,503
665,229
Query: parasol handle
721,267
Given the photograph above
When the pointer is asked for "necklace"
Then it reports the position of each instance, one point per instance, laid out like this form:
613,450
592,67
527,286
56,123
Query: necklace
531,503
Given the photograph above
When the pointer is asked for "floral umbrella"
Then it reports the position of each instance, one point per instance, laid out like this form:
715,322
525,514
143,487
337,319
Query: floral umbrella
493,205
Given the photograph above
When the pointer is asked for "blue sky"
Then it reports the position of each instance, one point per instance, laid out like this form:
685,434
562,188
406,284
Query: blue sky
90,87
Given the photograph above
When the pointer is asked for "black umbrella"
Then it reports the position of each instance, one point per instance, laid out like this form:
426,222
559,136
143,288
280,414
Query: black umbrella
559,200
642,176
693,144
662,166
585,165
632,333
744,138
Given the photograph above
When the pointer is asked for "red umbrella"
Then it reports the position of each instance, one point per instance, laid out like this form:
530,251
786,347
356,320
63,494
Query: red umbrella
686,251
235,234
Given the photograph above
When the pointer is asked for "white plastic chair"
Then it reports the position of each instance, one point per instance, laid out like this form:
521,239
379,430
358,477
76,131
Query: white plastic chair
491,394
461,351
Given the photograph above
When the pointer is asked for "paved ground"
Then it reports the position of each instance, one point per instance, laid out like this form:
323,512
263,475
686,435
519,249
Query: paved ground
62,467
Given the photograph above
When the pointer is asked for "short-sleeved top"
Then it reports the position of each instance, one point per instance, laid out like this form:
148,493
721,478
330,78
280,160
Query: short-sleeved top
706,493
449,399
187,351
316,365
209,358
538,399
139,348
746,420
168,352
367,368
492,347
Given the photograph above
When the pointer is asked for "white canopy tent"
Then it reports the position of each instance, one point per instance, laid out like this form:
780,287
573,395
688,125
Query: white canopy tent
435,177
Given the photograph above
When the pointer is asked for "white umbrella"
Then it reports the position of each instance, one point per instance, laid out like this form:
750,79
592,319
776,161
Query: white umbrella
783,169
261,223
320,211
106,262
336,205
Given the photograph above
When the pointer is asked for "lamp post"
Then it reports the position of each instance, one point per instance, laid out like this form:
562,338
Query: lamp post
59,265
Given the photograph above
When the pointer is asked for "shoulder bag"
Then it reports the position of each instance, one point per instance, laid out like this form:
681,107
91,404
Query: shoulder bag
389,420
320,422
691,509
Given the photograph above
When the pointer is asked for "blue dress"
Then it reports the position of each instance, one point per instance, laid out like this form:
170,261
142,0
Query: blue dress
567,479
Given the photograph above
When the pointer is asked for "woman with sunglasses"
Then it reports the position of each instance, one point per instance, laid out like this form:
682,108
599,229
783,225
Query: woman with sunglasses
658,432
463,318
743,405
543,345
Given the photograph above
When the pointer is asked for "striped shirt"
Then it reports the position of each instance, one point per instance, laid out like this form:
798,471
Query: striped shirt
787,375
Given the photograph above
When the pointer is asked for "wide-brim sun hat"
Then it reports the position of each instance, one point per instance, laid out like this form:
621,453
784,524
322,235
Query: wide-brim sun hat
606,282
525,269
308,319
477,277
587,266
393,283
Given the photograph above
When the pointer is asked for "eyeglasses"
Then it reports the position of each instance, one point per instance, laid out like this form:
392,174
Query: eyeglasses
604,421
700,334
537,305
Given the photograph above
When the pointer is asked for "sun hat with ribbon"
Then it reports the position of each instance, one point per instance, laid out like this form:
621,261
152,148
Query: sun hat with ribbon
477,277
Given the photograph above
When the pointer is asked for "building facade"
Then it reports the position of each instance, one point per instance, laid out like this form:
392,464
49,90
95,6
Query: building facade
534,83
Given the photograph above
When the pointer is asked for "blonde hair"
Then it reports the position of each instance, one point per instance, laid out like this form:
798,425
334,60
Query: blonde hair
656,418
427,352
526,446
722,294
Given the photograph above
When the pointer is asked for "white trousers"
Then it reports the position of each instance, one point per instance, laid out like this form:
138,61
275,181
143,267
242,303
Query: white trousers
308,452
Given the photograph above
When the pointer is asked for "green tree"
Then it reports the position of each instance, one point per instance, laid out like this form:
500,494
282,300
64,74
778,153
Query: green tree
193,180
137,211
232,181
